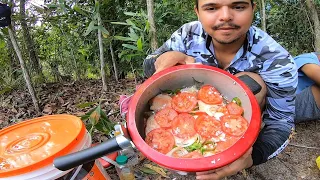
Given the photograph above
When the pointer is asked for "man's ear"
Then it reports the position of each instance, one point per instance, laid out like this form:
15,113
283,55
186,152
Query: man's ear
254,6
196,10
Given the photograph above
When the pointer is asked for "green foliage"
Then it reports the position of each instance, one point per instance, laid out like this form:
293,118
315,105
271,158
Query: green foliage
66,39
136,44
285,25
97,119
8,82
171,15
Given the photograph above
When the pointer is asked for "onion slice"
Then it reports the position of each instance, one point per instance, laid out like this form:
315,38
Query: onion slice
186,142
178,151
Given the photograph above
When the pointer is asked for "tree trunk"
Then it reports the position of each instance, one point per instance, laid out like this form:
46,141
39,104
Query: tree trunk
14,64
316,23
153,31
263,15
114,62
102,63
24,69
34,60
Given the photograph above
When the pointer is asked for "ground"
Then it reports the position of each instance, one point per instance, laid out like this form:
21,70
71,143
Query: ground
297,161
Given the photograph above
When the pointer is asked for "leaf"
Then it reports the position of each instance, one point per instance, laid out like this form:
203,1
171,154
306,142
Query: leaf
103,29
62,6
121,38
130,14
139,44
129,46
237,101
120,23
2,44
5,90
90,28
86,104
79,10
95,117
130,22
147,170
105,125
157,169
133,34
52,6
87,115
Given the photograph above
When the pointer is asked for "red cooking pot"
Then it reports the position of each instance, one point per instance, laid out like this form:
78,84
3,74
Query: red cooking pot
171,79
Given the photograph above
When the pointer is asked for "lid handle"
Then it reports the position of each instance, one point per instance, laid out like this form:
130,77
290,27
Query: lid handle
75,159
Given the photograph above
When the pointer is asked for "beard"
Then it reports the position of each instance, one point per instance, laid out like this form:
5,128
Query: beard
228,24
225,42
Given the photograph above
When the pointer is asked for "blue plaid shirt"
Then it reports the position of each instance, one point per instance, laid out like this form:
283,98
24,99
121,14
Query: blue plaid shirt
259,54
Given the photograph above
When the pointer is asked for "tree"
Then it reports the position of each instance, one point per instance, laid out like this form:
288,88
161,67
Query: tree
316,23
113,61
24,69
102,63
153,31
34,60
263,15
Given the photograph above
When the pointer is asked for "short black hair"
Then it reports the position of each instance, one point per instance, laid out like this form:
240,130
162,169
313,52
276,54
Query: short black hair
198,6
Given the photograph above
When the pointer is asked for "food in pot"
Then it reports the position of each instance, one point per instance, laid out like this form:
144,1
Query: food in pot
194,122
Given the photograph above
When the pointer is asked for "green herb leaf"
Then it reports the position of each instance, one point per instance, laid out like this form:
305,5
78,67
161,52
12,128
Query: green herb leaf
237,101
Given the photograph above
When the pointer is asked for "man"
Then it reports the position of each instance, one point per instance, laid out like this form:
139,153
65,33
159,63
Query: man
223,37
308,92
5,13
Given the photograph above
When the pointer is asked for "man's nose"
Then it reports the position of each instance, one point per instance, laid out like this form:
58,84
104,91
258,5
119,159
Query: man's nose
226,14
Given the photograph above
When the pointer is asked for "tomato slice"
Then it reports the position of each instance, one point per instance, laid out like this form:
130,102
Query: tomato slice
165,117
209,95
207,126
234,109
223,109
184,102
193,154
183,126
160,140
234,125
223,145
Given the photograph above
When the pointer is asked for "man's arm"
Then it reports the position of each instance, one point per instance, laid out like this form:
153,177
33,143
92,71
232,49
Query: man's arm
312,71
281,77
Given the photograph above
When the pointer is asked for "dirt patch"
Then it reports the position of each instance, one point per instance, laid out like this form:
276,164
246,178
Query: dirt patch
297,161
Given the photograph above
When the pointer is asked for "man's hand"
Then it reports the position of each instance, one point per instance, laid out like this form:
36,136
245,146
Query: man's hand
242,163
172,58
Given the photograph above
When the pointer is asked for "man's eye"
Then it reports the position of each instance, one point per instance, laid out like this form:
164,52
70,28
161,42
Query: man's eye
210,9
239,7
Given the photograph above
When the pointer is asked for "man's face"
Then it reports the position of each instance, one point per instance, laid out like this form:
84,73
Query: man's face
226,21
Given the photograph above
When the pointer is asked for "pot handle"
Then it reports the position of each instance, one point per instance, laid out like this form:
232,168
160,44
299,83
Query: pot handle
75,159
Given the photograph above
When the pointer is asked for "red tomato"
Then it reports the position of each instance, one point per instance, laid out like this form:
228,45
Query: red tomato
223,145
223,109
207,126
160,140
183,126
234,125
198,113
165,117
234,109
209,95
184,102
194,154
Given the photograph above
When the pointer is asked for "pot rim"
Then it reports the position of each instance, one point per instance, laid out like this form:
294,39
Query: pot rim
201,164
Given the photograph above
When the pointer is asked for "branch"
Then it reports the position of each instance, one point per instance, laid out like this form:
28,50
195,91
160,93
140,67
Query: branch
301,146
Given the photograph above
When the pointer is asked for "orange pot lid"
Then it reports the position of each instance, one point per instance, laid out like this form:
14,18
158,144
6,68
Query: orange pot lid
33,144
